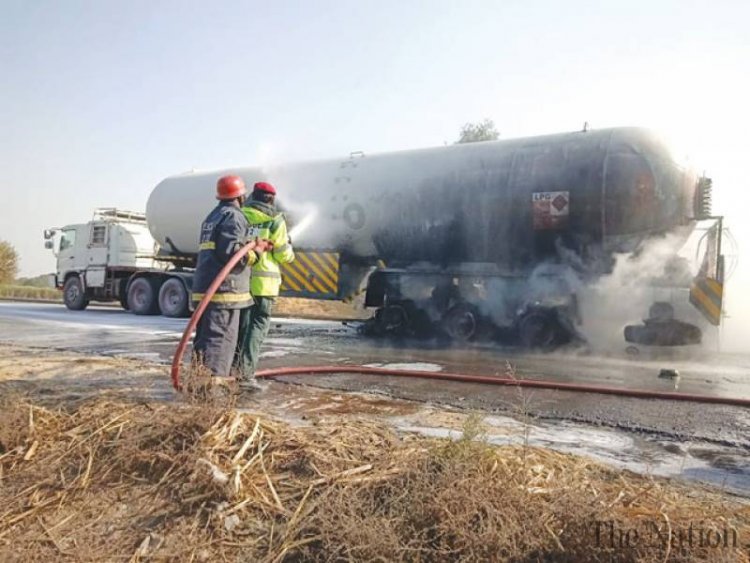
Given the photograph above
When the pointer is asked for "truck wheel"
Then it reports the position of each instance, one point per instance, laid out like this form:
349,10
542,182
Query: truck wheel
460,322
539,330
143,297
74,295
173,299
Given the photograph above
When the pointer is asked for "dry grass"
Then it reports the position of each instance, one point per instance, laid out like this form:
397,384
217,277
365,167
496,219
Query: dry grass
114,481
29,292
318,309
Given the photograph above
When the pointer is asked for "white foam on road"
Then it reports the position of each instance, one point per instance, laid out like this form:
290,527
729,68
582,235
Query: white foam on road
610,447
274,353
413,366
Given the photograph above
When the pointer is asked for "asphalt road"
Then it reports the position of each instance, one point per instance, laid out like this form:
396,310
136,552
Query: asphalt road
659,427
294,342
111,331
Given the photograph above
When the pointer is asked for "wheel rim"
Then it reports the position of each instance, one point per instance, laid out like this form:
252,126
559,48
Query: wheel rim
632,351
461,325
73,293
173,298
139,297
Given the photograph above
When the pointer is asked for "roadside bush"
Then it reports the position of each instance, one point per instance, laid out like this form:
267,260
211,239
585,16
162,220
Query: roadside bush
29,292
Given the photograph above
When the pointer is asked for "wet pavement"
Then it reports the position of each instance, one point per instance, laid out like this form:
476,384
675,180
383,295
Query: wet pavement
111,331
709,443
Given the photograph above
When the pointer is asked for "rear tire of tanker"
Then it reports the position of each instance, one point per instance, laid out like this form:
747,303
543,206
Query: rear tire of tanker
174,299
74,296
539,330
143,297
460,323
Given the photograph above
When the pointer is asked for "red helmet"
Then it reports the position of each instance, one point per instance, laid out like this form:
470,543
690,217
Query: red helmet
264,187
230,187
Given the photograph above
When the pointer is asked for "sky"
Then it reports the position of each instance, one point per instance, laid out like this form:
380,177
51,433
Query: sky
100,100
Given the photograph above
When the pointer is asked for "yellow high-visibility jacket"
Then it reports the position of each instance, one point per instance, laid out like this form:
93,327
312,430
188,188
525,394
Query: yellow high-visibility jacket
267,223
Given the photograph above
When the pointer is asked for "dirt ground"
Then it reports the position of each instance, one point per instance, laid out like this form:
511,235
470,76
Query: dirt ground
319,309
100,460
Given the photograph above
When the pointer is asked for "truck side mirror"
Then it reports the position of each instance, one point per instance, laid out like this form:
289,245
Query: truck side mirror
49,244
48,234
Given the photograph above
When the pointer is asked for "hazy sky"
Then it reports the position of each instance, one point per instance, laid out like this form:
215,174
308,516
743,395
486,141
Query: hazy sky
100,100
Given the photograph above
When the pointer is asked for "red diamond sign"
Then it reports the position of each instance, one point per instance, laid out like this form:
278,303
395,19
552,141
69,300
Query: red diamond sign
560,202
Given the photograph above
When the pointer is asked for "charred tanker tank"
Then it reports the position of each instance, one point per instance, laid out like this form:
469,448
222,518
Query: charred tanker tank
495,236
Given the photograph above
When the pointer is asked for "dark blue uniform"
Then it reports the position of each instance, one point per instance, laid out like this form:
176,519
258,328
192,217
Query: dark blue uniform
224,231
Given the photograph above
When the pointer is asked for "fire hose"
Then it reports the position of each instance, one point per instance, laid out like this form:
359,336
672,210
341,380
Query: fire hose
439,376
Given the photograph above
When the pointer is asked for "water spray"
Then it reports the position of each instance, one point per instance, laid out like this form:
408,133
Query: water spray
303,225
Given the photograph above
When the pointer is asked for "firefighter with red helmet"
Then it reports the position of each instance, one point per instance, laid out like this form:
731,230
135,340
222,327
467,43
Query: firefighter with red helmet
223,233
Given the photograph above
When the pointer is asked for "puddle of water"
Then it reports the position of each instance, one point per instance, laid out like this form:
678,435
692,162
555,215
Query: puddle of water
281,341
274,353
415,366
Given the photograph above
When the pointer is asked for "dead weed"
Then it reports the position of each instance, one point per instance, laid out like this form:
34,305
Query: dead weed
112,481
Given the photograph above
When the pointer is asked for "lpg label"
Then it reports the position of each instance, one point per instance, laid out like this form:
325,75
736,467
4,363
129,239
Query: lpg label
550,210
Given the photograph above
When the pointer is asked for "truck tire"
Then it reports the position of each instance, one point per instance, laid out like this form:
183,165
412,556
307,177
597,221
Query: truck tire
74,296
539,330
174,299
460,322
123,294
143,297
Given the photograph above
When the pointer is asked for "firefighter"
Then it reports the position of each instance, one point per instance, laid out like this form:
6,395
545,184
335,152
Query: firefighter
266,223
224,231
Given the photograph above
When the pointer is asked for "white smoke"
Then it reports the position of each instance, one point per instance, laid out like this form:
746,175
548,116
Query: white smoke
659,272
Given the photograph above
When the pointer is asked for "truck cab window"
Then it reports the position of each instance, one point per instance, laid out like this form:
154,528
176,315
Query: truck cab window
68,239
98,235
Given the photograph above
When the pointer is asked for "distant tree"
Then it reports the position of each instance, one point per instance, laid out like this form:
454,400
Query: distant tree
8,262
485,130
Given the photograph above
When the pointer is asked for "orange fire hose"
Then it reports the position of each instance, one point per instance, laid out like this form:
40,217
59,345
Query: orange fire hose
505,381
440,376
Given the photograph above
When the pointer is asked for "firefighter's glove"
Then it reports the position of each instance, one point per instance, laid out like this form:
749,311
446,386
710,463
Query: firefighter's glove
261,245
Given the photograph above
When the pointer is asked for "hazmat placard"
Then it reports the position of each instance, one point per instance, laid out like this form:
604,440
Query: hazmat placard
550,210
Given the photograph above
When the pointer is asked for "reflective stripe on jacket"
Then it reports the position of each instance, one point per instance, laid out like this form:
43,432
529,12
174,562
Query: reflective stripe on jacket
223,232
266,223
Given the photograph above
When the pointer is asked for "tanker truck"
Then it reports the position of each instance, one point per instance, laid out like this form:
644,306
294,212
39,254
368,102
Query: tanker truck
500,237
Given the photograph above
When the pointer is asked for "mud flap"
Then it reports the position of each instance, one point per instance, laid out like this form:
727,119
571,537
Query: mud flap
707,295
707,288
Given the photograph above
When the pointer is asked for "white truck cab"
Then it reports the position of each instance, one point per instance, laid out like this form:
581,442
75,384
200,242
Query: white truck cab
96,260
